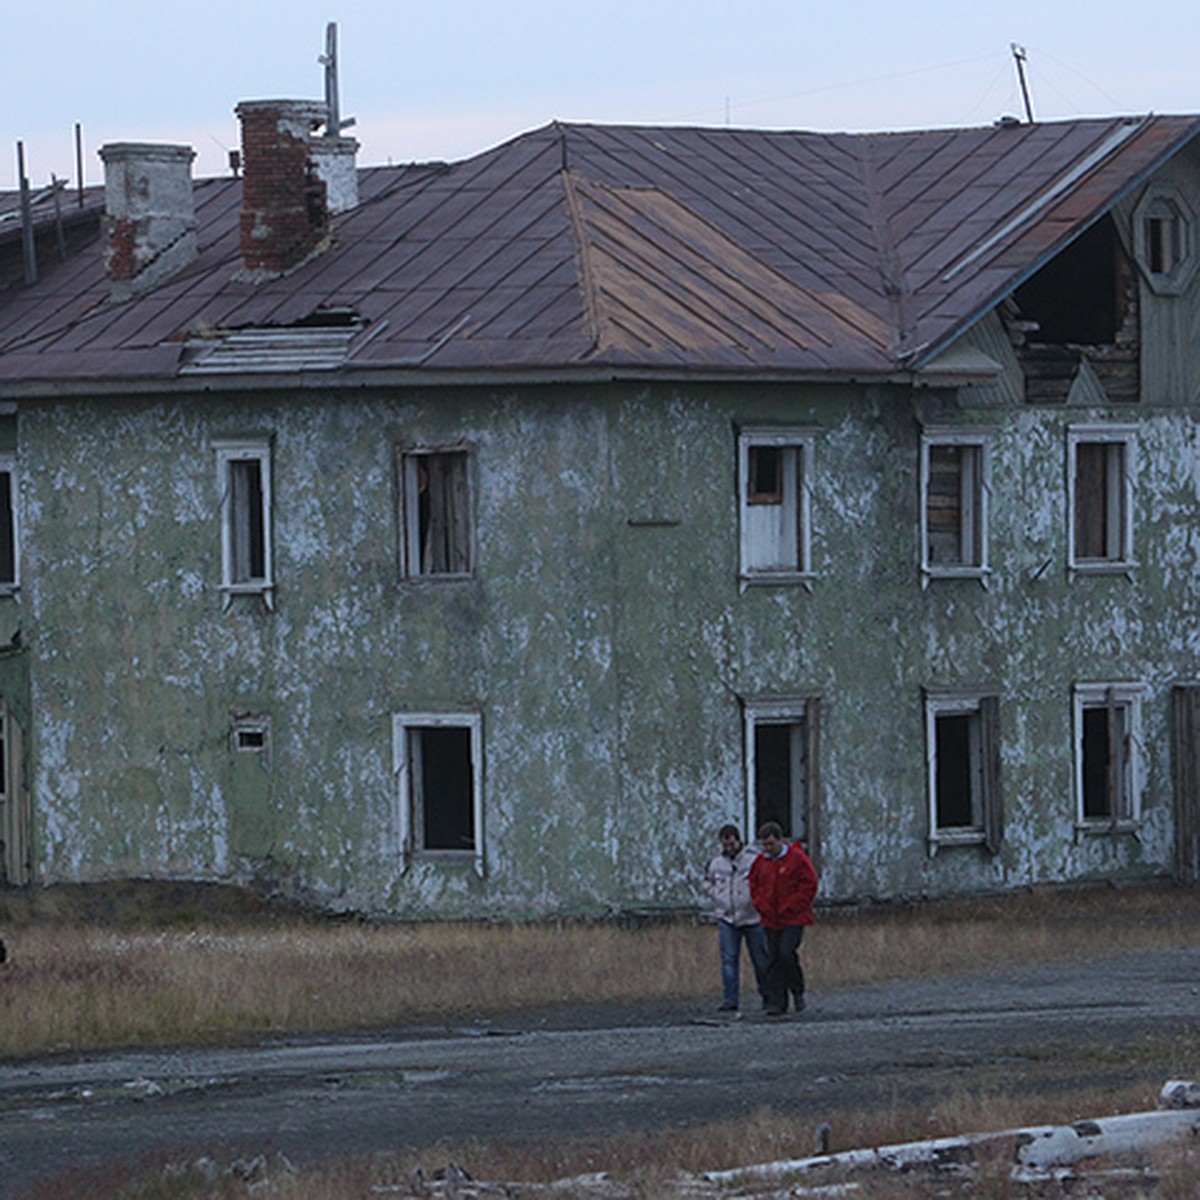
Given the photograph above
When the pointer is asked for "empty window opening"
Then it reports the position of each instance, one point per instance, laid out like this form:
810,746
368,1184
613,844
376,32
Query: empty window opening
773,470
244,470
954,507
439,767
251,739
1164,243
765,476
779,776
437,513
248,521
782,782
442,788
8,530
957,777
964,770
1107,722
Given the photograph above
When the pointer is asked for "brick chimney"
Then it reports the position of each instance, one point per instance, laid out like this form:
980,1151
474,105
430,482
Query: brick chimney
150,214
292,180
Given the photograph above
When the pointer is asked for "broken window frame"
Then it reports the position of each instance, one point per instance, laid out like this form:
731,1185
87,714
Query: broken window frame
802,715
981,709
246,535
795,471
1164,238
973,501
410,820
10,542
1116,498
1124,774
416,545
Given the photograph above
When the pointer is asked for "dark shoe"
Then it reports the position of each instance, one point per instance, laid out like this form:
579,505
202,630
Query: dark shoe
773,1012
798,1001
727,1008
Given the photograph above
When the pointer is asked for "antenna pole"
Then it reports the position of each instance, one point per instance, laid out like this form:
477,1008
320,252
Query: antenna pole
329,59
28,245
1018,53
79,160
333,111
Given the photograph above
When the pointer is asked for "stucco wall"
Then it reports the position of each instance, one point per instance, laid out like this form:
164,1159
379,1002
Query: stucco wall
604,638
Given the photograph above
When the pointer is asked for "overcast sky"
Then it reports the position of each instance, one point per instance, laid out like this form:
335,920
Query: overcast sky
445,79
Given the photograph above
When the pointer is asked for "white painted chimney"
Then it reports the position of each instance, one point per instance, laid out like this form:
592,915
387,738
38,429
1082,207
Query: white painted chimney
150,214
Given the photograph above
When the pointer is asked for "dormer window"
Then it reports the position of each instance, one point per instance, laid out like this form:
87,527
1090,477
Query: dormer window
1164,240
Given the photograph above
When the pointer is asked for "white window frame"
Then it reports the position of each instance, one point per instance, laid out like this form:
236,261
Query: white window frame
797,712
795,493
230,451
1120,471
409,459
1128,698
986,825
407,820
8,466
974,507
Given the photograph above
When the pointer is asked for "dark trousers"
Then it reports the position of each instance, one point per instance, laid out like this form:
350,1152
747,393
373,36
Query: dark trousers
784,974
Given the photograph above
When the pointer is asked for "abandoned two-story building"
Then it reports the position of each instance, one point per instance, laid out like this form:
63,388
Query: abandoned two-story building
476,538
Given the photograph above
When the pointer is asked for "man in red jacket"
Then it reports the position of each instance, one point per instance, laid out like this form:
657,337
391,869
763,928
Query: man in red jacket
783,883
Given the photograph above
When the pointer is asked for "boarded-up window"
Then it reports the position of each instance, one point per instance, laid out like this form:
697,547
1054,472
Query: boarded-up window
436,516
1099,470
774,470
1100,499
954,505
962,732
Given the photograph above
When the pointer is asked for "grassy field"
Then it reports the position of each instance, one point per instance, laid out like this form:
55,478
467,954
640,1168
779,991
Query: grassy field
162,965
157,966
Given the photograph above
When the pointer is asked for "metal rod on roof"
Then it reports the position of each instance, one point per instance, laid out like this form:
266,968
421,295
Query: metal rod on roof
79,159
329,60
333,109
28,247
1019,56
58,185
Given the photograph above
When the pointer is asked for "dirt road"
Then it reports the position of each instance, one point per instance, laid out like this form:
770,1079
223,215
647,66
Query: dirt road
602,1069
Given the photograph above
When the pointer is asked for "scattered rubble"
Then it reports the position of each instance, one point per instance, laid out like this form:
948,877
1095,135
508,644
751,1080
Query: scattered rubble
1108,1156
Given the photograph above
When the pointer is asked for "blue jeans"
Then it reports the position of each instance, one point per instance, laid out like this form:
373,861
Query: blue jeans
731,953
784,973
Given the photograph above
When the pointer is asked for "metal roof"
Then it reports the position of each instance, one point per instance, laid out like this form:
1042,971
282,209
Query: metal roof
614,250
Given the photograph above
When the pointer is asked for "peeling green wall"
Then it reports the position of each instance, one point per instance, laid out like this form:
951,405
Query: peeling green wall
604,638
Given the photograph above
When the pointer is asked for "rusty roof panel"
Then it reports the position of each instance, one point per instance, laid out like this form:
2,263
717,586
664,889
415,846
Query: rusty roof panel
620,246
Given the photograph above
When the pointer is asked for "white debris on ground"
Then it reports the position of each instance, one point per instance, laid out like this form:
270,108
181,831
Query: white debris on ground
1108,1156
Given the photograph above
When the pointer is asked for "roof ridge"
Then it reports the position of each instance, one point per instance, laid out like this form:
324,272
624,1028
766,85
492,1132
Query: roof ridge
583,258
891,267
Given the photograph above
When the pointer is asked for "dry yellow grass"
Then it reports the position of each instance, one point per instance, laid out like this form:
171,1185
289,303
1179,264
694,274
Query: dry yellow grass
82,974
80,984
